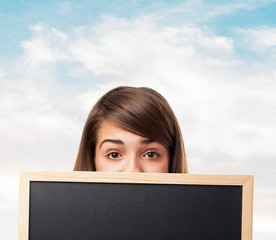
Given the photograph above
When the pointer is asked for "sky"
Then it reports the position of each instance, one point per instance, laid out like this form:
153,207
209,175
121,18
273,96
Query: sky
213,61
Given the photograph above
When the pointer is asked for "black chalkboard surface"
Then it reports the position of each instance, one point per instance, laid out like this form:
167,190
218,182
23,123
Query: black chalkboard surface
136,206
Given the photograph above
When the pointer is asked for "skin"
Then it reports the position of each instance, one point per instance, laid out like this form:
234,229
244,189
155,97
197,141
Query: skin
118,150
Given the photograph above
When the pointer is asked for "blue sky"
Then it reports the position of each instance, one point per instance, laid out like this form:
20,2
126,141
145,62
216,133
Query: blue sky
220,18
213,61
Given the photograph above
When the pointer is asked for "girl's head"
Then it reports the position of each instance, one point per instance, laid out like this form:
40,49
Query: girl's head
132,115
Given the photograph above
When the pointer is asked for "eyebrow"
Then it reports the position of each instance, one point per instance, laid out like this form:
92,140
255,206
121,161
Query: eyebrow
120,142
147,141
115,141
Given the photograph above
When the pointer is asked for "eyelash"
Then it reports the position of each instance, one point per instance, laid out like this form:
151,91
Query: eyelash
110,154
156,155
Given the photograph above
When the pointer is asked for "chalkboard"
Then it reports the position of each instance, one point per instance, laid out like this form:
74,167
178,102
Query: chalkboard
80,206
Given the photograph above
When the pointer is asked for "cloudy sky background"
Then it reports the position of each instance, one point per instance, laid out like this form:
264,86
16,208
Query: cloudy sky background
214,62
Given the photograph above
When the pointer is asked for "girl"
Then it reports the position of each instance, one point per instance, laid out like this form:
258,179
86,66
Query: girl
132,130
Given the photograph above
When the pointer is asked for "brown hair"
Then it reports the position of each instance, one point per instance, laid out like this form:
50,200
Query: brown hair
142,111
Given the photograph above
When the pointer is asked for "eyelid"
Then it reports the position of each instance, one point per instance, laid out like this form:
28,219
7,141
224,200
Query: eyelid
113,151
152,151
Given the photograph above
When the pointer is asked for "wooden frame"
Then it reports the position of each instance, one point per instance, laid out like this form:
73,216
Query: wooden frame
26,177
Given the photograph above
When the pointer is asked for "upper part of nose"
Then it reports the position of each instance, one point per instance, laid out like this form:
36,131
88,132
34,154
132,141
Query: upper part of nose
132,164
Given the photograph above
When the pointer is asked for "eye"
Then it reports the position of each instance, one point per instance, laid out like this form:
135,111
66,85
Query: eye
113,155
152,155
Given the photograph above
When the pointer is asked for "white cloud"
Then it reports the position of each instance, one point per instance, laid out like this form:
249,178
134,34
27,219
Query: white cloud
202,11
45,48
265,227
259,39
9,192
108,51
32,127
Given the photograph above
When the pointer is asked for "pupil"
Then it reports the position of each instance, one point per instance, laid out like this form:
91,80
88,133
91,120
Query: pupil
114,155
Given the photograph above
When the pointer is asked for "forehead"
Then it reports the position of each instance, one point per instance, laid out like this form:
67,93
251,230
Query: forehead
110,129
110,132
